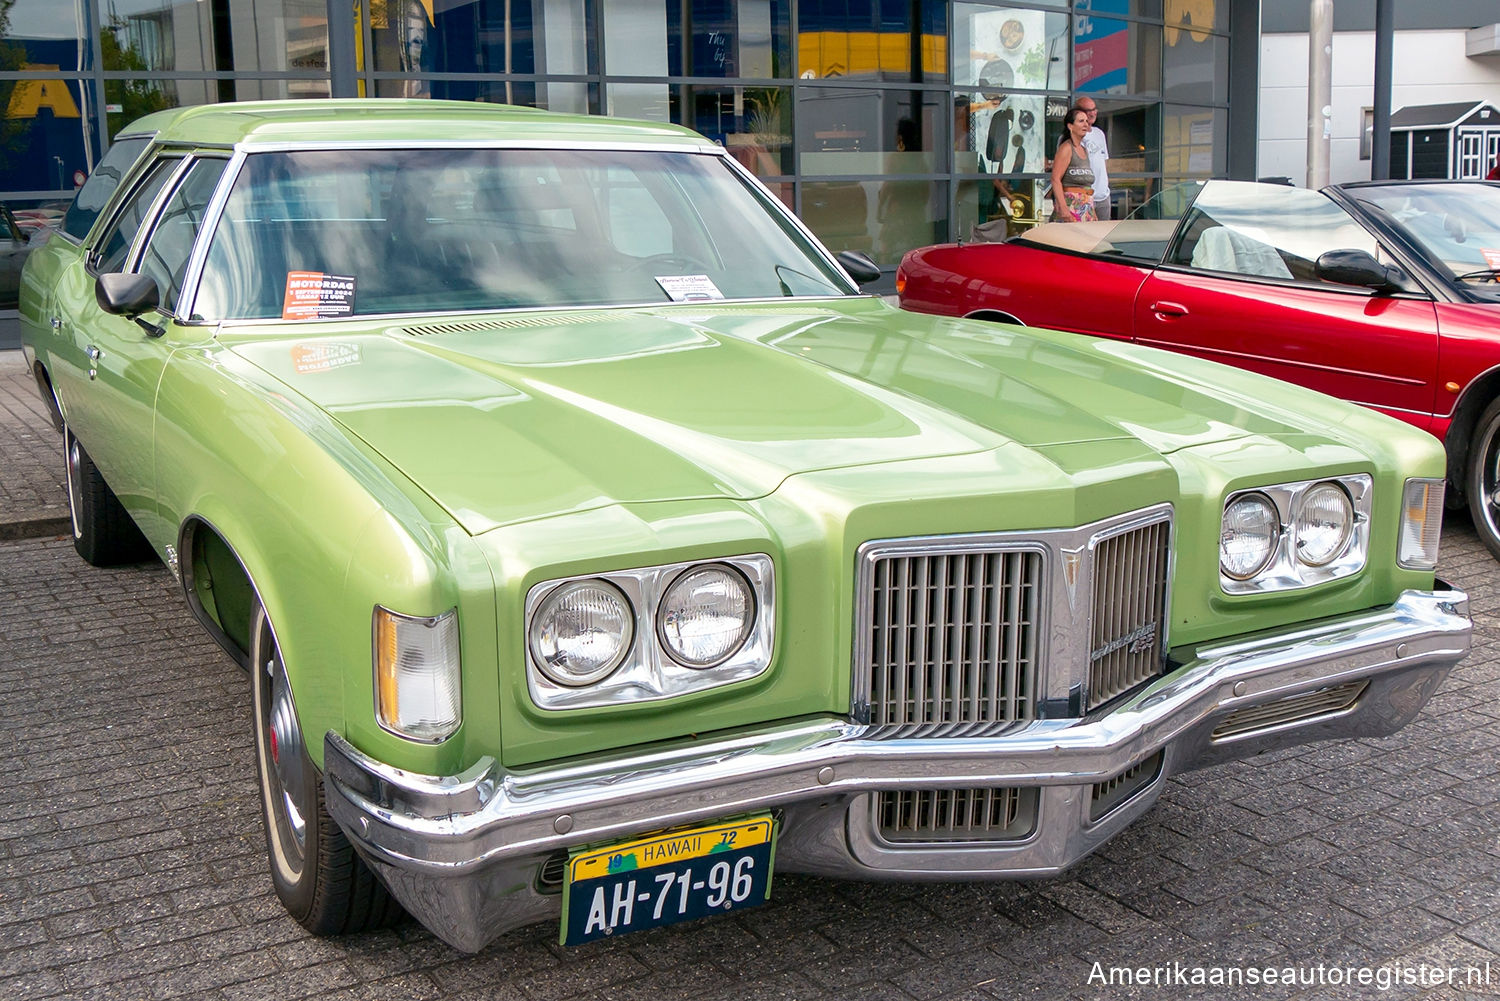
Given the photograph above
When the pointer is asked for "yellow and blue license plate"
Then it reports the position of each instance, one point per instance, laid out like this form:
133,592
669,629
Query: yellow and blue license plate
666,878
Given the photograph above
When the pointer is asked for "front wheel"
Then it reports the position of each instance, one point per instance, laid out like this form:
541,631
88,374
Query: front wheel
323,884
1483,481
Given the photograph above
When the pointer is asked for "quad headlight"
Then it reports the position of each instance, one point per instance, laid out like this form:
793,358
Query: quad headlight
649,633
582,632
706,615
1324,525
1293,535
1248,539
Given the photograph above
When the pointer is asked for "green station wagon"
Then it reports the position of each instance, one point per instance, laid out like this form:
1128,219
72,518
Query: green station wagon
593,545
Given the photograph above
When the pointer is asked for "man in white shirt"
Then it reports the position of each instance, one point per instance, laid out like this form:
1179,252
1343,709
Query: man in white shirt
1094,145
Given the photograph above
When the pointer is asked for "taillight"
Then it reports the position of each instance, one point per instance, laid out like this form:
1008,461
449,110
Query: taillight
900,280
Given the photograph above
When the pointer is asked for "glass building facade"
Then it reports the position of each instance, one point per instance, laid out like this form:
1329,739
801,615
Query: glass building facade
886,124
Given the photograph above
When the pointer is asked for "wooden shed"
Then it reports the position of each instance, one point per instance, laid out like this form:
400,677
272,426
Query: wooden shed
1460,140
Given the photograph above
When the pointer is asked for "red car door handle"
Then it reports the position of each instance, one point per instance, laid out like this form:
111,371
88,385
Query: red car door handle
1164,308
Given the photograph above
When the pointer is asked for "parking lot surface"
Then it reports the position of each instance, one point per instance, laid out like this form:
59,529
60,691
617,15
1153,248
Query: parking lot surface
132,859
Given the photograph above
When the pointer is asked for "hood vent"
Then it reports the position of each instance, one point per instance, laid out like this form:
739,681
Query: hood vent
507,323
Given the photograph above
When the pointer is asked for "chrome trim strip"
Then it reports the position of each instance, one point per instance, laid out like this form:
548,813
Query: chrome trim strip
435,838
1243,356
687,144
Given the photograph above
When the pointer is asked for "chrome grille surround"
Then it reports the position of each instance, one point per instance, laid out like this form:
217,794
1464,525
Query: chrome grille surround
1035,655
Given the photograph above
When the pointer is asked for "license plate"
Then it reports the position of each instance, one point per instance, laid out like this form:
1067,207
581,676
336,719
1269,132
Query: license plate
666,878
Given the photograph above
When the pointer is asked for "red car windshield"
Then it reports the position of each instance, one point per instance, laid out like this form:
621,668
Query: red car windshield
1457,225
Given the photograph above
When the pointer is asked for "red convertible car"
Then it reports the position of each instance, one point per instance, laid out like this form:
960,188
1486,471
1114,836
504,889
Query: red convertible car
1382,293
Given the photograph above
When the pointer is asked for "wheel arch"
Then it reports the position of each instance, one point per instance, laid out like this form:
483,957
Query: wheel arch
49,394
220,591
1477,395
994,316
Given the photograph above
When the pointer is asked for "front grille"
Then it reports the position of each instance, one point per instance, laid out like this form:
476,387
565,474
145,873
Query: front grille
1114,792
953,640
1293,709
1130,591
923,815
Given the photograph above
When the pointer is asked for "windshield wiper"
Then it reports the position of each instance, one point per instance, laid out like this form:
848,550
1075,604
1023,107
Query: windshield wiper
1493,274
786,289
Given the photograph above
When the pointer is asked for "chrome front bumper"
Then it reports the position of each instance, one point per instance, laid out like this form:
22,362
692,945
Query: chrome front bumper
464,853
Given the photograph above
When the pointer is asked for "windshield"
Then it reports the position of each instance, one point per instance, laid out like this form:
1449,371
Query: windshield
1457,226
359,232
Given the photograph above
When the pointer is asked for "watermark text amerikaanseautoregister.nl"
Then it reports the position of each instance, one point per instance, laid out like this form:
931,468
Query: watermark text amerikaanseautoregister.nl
1383,977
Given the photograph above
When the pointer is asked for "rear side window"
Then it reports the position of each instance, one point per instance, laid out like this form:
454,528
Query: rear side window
101,185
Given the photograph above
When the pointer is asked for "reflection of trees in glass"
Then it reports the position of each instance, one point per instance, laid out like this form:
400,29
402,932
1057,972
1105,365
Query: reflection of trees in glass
768,129
134,97
13,131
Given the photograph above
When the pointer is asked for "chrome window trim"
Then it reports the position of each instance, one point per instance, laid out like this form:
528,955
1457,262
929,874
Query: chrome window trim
1065,606
187,297
648,673
1285,572
401,318
148,218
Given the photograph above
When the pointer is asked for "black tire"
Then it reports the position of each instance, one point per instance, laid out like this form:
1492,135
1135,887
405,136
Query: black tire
324,885
103,533
1482,481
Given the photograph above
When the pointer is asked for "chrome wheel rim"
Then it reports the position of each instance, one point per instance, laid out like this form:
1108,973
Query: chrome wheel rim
284,739
1489,482
282,765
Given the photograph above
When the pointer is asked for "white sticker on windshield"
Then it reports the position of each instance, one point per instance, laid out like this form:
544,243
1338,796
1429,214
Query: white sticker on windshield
689,288
1491,257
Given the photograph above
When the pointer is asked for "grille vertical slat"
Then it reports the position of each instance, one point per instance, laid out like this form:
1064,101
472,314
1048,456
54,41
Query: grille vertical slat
1130,586
955,814
954,639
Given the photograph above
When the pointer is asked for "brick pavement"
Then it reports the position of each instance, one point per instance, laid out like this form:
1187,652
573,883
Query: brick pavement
132,861
33,501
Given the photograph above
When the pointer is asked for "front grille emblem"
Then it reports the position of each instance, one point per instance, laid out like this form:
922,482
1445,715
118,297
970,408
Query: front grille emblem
1072,565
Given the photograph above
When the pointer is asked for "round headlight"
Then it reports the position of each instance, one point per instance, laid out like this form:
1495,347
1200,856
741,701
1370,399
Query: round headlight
705,616
582,632
1247,540
1324,523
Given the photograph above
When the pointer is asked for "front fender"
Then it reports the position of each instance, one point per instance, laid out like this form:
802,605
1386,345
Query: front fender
322,529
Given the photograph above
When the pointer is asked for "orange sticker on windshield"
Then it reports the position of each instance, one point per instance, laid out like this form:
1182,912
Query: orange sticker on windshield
312,294
1491,257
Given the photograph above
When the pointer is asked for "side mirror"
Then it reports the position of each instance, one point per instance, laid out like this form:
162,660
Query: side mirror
126,295
1356,267
858,264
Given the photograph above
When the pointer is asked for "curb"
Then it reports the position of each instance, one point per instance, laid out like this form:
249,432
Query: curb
34,527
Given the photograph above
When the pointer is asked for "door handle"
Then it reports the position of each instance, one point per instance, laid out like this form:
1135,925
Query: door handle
93,356
1164,308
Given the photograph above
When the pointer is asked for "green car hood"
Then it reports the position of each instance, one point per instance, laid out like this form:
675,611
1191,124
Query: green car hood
505,418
